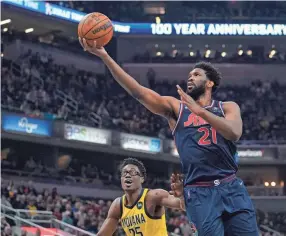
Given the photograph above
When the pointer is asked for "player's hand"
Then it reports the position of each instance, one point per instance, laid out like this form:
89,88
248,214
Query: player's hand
177,185
100,52
189,101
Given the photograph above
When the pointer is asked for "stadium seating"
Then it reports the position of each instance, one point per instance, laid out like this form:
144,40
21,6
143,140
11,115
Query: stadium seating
98,94
89,214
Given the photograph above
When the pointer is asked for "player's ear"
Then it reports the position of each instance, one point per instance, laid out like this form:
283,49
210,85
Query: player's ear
210,84
142,180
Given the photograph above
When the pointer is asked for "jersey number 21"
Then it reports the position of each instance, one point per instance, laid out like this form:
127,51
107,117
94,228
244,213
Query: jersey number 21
206,139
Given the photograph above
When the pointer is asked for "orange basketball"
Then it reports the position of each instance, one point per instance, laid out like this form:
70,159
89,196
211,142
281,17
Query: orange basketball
96,27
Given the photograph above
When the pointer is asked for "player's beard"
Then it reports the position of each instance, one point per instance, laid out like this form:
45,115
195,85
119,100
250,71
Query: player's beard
197,92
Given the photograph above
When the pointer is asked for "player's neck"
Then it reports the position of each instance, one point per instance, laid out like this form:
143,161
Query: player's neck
205,100
132,197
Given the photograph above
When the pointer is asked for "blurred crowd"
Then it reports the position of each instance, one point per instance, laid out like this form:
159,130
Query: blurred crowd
260,55
84,213
188,11
262,107
89,214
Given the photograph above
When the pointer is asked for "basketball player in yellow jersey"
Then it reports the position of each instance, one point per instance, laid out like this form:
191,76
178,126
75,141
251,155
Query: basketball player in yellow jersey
140,211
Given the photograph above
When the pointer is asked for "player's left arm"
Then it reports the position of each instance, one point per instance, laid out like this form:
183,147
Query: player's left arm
229,126
162,198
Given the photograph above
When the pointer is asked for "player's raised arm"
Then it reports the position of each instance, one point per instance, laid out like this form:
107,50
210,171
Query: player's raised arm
165,199
151,100
110,224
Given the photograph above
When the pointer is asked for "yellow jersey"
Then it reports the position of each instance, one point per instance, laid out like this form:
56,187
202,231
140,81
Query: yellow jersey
137,222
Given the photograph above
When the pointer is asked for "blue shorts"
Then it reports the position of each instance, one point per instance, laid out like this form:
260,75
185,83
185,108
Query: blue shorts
224,209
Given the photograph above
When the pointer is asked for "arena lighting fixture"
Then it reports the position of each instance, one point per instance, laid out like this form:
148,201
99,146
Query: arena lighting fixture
158,20
249,52
266,184
273,184
158,54
223,54
207,54
173,45
192,54
2,55
3,22
190,46
240,52
5,29
223,46
156,45
29,30
273,52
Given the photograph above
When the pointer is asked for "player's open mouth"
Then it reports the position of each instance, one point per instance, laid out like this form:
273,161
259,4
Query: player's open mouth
191,86
128,182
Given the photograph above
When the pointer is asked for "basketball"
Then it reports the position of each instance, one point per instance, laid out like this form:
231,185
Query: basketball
96,27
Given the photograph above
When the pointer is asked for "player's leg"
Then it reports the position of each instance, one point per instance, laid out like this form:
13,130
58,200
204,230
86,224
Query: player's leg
204,209
241,223
239,214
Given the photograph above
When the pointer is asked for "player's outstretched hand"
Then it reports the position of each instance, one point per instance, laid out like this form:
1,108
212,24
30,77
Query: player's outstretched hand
177,185
100,52
189,101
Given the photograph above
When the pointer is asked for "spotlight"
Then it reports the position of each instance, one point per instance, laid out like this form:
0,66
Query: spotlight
190,45
173,45
192,54
273,52
223,54
2,55
266,184
158,54
29,30
156,45
240,52
273,184
3,22
249,52
5,29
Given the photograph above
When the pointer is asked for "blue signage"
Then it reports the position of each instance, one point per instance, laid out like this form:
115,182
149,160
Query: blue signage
157,29
27,125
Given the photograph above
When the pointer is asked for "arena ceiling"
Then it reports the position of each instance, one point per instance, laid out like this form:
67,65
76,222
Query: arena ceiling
42,25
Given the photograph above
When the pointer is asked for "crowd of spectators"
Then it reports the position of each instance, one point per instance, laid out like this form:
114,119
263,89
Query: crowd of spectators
258,56
187,11
262,107
89,214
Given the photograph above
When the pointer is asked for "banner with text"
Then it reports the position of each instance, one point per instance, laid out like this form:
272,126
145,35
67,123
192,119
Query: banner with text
54,10
245,154
87,134
27,125
140,143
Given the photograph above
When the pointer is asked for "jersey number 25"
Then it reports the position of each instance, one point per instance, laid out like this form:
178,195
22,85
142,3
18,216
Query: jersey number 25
206,139
136,231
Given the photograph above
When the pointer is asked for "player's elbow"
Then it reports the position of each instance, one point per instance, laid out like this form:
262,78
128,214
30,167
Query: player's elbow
235,134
